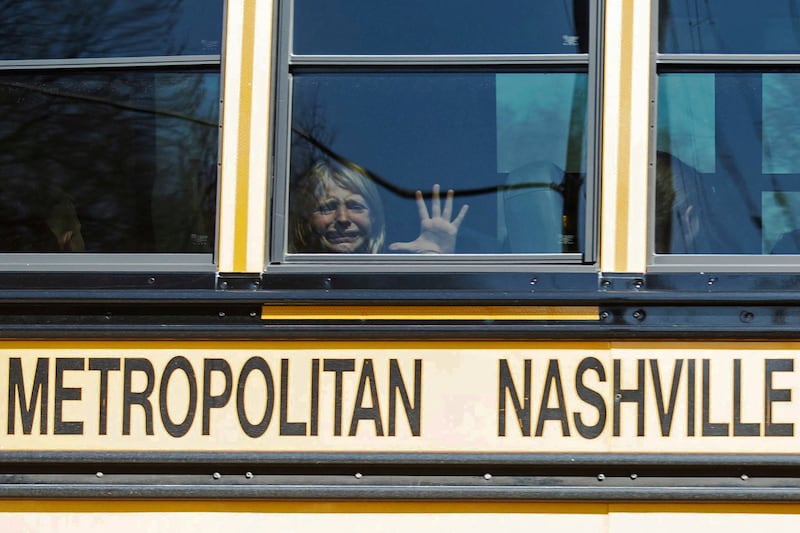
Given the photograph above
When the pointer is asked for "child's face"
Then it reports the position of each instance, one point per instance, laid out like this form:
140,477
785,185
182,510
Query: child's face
342,221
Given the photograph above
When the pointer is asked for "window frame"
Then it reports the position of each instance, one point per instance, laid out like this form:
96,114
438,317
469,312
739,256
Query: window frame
712,63
123,262
279,260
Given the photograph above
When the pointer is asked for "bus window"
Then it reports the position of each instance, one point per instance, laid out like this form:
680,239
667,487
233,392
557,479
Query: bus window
397,104
108,144
727,167
728,27
111,28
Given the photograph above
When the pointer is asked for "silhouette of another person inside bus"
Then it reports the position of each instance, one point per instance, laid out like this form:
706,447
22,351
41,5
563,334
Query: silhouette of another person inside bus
679,210
36,219
336,208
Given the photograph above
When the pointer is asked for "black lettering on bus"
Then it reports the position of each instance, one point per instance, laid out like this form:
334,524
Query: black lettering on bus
259,428
27,409
591,397
314,414
741,429
521,409
286,427
366,381
665,415
558,413
181,428
776,429
62,394
104,366
338,367
629,395
710,429
398,386
130,398
215,401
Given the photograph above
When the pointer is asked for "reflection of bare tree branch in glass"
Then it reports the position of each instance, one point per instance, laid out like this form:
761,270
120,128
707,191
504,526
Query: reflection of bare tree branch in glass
138,150
404,192
134,148
166,113
311,120
96,28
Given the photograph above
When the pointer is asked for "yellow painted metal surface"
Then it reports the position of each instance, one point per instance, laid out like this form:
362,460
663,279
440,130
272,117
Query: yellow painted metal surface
431,312
246,115
469,517
626,108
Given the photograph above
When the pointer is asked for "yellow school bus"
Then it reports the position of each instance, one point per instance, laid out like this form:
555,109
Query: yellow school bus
362,264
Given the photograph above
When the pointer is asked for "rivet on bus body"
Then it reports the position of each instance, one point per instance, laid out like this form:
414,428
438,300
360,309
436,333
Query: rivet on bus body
634,476
248,475
487,476
601,477
216,475
99,474
745,477
358,475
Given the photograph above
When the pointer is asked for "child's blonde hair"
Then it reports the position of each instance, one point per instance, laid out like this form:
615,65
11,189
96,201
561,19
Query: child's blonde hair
306,192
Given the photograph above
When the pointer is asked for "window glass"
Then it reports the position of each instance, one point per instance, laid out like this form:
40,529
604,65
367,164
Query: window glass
429,27
43,29
512,146
466,151
781,128
108,160
728,177
727,26
728,165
